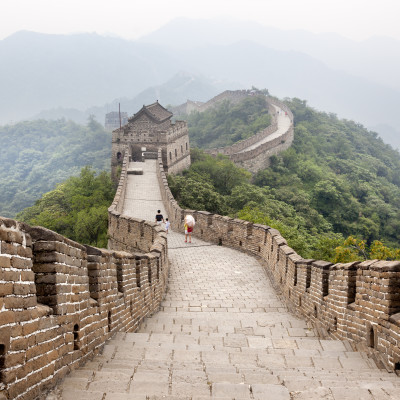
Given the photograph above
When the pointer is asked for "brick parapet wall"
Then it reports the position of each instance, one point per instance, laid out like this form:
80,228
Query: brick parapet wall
357,301
286,137
243,144
61,301
281,105
118,201
234,96
258,158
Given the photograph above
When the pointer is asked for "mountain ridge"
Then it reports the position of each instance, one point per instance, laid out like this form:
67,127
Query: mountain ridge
85,71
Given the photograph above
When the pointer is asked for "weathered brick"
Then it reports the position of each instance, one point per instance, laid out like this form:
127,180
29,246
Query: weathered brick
5,262
24,289
13,359
27,276
19,344
12,302
6,289
29,328
21,263
24,252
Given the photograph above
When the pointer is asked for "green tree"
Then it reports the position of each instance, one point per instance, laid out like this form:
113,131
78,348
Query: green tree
41,154
77,208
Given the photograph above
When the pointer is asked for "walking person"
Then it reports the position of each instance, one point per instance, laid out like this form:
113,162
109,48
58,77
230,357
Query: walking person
159,217
167,224
189,225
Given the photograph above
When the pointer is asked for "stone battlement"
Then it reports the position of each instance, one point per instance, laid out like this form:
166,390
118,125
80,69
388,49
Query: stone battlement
61,301
357,301
256,158
234,96
243,144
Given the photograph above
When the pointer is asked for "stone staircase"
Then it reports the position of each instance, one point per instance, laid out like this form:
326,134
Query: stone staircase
220,335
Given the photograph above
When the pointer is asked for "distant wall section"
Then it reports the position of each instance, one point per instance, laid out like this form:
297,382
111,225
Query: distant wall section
258,157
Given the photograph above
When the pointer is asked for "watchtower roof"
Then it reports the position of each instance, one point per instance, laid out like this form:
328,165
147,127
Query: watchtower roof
154,111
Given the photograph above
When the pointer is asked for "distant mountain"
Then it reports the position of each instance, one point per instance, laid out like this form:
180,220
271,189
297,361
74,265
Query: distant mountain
377,58
293,74
181,87
357,80
40,71
84,72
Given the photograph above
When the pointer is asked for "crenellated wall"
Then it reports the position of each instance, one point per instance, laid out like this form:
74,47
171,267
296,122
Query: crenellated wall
61,301
243,144
234,96
357,301
258,158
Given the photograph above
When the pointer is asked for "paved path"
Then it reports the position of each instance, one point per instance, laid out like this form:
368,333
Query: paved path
283,125
222,333
143,196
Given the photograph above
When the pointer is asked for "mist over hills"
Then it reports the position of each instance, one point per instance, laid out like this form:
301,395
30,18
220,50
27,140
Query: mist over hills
181,87
77,75
377,58
40,71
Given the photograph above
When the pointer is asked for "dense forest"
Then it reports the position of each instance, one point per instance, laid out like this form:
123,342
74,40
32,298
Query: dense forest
77,208
227,123
337,181
39,154
334,195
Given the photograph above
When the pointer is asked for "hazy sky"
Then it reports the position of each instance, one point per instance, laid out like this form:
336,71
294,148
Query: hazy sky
356,19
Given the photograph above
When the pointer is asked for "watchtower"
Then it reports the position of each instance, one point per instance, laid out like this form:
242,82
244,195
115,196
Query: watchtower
148,130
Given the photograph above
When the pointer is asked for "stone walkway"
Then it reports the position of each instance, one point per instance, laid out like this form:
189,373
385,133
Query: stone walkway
283,125
222,333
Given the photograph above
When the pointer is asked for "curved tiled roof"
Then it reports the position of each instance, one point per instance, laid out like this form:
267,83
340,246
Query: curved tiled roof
155,111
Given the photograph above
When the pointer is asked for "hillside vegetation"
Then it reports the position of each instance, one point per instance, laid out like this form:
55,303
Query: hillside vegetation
227,123
39,154
77,208
337,180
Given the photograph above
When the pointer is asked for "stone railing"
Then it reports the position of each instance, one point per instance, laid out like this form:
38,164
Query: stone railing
258,157
176,130
357,301
286,137
243,144
61,301
234,96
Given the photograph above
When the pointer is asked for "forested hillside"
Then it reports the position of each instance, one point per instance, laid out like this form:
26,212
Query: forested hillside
77,208
337,180
36,155
227,123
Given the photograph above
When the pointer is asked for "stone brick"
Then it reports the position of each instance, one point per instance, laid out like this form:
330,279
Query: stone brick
13,302
5,262
19,344
21,263
6,288
24,289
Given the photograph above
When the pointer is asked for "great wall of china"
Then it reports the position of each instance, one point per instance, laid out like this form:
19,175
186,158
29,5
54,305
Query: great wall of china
254,152
61,301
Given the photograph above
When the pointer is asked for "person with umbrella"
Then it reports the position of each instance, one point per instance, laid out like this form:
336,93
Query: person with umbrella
189,225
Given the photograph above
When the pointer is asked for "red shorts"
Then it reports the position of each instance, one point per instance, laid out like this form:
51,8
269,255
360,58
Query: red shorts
190,229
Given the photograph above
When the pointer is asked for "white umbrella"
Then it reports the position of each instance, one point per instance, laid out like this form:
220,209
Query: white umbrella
190,221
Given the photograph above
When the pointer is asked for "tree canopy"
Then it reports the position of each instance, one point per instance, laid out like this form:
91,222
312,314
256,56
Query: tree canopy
228,123
39,154
77,208
337,180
